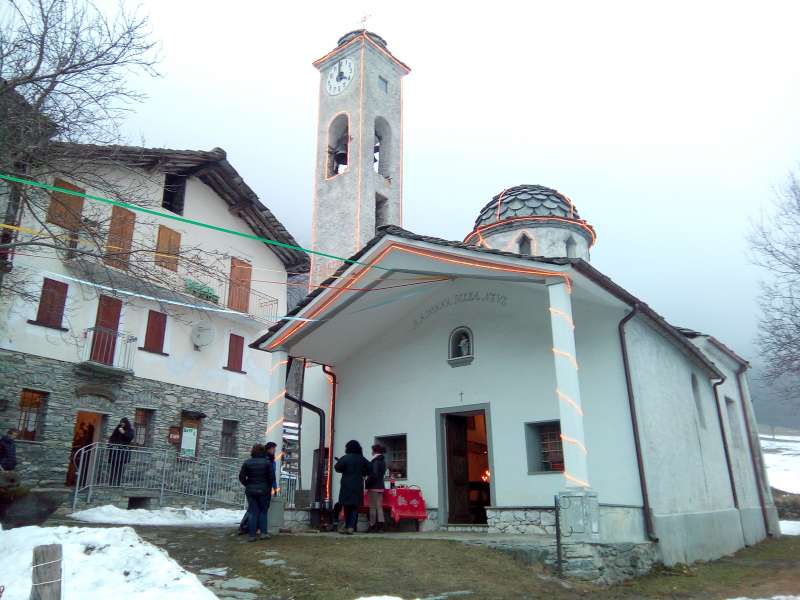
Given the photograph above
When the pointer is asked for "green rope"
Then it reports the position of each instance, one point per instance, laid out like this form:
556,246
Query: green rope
149,211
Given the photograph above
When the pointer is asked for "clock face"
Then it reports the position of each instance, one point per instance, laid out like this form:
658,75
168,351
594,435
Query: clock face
340,76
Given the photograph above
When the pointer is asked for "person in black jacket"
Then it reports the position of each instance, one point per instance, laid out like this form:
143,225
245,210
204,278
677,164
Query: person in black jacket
118,455
8,451
353,467
257,476
375,487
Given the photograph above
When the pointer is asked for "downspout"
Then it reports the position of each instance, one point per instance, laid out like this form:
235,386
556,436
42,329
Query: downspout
328,371
756,470
648,517
715,387
321,414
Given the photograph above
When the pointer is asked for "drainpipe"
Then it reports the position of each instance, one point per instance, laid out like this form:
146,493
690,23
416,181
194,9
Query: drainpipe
648,517
328,371
756,470
725,442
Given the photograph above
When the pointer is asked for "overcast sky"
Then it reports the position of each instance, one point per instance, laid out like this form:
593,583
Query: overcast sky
669,126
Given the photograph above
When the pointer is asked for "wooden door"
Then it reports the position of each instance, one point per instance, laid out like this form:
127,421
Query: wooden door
239,288
104,340
457,468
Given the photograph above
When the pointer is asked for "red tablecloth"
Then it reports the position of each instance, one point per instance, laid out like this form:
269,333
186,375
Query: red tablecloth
402,503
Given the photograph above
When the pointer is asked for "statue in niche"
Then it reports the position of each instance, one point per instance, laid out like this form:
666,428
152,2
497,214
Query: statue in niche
462,345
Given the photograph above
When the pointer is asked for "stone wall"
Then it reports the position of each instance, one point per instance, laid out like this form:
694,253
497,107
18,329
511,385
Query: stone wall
71,388
522,520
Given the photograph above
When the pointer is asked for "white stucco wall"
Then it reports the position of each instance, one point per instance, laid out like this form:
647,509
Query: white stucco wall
545,241
184,365
687,476
394,385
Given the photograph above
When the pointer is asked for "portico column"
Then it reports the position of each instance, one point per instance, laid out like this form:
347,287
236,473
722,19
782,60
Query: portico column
275,400
580,513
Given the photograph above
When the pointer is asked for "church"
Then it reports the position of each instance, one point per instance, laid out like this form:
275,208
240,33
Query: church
503,372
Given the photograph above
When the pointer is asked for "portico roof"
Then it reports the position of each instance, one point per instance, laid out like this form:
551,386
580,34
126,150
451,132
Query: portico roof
398,268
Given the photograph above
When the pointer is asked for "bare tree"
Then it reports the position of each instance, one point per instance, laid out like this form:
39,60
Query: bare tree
775,241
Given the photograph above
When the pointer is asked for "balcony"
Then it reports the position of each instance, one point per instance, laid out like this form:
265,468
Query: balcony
108,351
233,296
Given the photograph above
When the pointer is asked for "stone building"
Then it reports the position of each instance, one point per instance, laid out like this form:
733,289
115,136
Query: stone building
154,328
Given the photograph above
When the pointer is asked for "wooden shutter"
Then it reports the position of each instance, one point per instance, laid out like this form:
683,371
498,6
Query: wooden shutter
156,326
120,237
104,338
65,210
51,303
167,248
235,352
239,289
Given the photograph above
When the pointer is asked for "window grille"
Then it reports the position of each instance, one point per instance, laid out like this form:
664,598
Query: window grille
228,444
31,409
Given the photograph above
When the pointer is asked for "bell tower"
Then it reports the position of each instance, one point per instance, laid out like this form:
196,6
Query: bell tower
358,182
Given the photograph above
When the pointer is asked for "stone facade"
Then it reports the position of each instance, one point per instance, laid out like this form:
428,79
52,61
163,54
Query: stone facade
71,388
524,520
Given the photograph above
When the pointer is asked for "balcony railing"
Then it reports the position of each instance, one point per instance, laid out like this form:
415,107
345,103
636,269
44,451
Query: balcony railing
108,349
234,296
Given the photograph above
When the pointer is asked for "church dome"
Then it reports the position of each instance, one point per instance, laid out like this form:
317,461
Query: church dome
533,219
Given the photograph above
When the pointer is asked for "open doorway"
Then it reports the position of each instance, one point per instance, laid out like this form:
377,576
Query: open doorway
467,467
88,429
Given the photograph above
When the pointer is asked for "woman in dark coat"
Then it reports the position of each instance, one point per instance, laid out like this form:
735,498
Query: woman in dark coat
375,487
353,467
118,455
257,476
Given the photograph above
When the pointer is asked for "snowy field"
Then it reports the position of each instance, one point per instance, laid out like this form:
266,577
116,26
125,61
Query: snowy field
180,517
782,456
99,563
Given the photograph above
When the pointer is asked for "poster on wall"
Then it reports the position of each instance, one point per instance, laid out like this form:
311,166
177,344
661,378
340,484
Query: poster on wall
189,442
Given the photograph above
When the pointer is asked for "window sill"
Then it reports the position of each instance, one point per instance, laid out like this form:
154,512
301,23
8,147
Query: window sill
234,371
461,361
545,472
143,349
47,325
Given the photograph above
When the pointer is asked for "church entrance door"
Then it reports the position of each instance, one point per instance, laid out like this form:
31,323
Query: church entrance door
467,465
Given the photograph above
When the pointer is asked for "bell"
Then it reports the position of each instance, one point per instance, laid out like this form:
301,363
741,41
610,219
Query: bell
340,153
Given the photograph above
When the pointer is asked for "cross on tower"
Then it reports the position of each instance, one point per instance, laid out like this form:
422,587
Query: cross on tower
363,21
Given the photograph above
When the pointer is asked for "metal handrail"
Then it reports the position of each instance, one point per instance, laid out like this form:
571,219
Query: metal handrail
109,466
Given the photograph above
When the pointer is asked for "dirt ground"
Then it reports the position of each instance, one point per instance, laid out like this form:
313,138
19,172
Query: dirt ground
333,567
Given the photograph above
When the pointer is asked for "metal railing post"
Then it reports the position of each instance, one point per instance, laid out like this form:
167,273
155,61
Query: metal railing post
163,478
208,483
77,480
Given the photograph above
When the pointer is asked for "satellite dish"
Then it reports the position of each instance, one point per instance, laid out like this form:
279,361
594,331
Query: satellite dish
202,334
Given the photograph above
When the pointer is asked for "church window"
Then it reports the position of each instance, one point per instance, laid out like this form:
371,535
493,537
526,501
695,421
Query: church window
698,401
383,84
524,244
462,347
571,248
733,423
338,145
174,192
381,211
543,444
381,149
396,454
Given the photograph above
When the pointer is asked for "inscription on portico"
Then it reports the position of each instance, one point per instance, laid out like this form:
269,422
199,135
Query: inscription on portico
461,298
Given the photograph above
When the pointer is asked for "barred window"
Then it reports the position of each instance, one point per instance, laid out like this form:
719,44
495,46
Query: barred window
396,454
545,452
31,411
228,444
143,427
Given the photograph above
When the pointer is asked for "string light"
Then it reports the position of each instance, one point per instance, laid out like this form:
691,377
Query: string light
563,315
569,401
499,202
535,218
277,397
568,356
576,480
574,442
275,366
274,425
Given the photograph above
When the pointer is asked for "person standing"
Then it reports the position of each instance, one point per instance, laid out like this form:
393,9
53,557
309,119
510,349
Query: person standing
257,475
375,487
243,527
353,467
118,455
8,451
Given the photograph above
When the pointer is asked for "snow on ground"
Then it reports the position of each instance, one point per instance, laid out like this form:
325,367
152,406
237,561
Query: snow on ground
185,517
98,562
790,527
782,456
